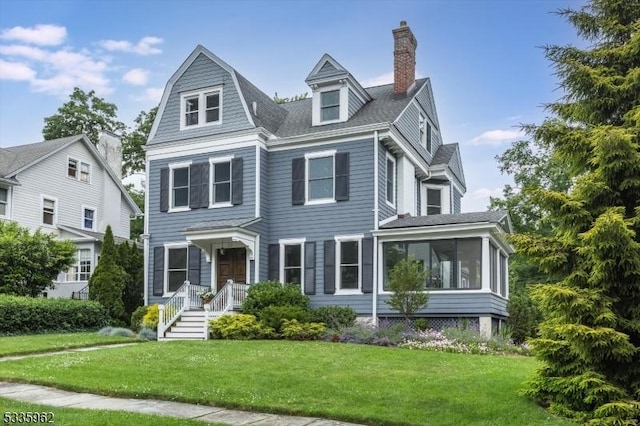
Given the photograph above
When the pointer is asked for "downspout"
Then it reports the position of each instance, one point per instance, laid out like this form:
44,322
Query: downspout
145,235
376,219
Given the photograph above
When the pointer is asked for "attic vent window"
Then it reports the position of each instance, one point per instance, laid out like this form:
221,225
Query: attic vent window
330,105
201,108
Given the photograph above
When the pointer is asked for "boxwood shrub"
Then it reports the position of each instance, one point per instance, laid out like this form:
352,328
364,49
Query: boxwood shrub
28,315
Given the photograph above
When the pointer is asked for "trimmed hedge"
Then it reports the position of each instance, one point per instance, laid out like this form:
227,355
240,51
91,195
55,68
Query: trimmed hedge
28,315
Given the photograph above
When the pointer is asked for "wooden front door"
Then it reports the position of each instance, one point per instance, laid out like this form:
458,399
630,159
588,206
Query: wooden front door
232,265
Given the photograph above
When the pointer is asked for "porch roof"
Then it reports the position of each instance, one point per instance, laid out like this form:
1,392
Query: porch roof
500,217
222,224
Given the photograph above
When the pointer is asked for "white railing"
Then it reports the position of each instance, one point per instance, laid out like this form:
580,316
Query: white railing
187,296
230,297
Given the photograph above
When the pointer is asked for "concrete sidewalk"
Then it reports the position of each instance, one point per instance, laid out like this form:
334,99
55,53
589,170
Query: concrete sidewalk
36,394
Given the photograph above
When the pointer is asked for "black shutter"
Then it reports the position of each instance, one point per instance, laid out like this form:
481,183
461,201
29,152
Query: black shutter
297,181
367,265
310,268
194,265
329,267
164,189
158,271
342,176
236,181
274,262
195,181
204,185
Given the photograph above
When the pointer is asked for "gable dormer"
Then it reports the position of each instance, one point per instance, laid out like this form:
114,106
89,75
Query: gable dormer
336,94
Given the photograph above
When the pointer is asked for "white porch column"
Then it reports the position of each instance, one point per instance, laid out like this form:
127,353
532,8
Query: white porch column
485,327
486,266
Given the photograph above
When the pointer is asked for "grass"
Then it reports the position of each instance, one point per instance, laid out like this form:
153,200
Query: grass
80,417
21,345
363,384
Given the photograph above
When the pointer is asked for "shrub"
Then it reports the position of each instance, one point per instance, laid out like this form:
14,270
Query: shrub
295,330
239,327
28,315
147,334
107,282
115,331
136,317
406,282
273,316
524,316
105,331
273,293
334,317
150,319
421,324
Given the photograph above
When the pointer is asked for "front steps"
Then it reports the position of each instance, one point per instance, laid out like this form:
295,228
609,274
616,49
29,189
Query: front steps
190,326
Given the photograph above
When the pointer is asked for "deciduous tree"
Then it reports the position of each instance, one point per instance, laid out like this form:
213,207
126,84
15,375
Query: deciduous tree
133,142
406,282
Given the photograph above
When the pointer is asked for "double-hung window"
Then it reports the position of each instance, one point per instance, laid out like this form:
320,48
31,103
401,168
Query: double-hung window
88,218
78,170
330,105
391,181
349,269
4,201
177,267
48,211
180,187
72,168
81,270
292,263
434,201
220,182
201,108
320,176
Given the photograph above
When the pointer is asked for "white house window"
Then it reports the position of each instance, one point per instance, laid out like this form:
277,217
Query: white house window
81,271
176,267
88,218
348,254
4,201
201,108
48,211
72,168
180,187
221,184
391,181
434,201
320,175
330,105
293,263
84,172
77,169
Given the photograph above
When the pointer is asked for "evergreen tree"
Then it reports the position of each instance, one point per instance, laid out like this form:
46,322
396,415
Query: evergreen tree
589,341
132,262
107,282
406,282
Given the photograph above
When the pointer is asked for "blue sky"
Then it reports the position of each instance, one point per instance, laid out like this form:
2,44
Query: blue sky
484,58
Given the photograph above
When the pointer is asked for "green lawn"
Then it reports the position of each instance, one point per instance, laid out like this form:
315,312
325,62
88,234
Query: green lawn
358,383
19,345
79,417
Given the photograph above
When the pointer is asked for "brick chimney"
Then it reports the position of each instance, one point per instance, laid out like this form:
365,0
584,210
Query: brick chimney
404,59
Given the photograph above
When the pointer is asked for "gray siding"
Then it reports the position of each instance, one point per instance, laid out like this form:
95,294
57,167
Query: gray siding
426,100
386,211
167,227
418,198
325,221
354,103
202,73
457,201
462,304
455,166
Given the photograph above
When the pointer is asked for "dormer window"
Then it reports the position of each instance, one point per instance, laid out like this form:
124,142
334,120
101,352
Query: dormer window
330,105
202,108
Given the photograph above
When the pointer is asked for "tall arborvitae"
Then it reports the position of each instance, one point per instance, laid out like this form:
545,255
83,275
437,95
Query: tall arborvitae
589,343
109,279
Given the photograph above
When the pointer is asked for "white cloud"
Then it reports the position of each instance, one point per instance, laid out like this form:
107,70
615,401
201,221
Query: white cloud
28,52
382,79
151,94
496,137
15,71
42,35
482,193
478,200
136,77
146,46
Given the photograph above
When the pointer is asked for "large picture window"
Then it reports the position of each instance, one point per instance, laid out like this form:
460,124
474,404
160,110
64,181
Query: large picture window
450,264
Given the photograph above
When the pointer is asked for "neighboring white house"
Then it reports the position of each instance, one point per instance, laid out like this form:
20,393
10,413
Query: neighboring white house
71,188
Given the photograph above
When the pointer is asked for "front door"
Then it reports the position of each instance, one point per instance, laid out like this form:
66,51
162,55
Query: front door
232,265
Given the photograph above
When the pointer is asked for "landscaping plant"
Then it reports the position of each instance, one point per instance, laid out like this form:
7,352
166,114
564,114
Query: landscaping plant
406,282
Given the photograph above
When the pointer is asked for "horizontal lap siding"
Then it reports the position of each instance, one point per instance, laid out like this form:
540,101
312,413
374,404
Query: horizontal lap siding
354,103
323,222
457,201
202,73
459,304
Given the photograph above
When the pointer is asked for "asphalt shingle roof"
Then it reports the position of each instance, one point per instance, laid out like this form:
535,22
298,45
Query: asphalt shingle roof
99,236
14,158
447,219
221,224
444,153
268,114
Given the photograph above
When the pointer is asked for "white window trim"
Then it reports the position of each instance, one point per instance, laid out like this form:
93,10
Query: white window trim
312,155
168,246
55,210
395,178
346,238
422,129
292,242
7,208
202,114
95,217
92,258
79,164
216,160
171,168
316,118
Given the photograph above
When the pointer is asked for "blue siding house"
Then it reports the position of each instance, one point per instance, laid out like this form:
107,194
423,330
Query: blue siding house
327,192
